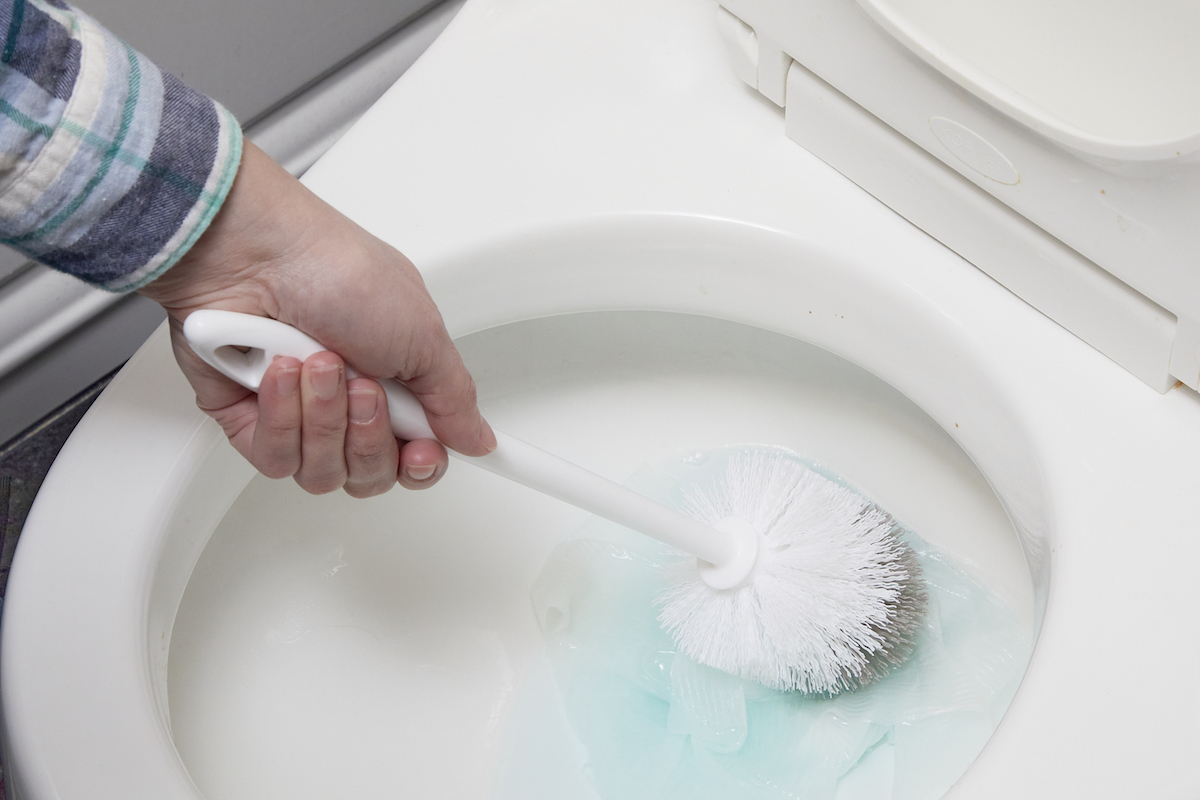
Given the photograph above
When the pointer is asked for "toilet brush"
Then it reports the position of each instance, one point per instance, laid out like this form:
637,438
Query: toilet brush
814,592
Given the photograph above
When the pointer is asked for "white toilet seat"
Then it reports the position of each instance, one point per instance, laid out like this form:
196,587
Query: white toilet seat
578,144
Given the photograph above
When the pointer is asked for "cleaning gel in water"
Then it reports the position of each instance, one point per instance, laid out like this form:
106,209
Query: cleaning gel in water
655,724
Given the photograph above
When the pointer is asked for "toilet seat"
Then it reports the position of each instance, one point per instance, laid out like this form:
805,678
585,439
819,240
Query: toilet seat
1055,146
578,143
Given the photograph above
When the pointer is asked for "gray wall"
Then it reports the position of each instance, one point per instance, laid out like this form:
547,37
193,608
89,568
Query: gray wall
248,54
251,54
297,71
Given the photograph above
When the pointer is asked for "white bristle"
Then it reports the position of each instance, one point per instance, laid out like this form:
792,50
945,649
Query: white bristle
834,600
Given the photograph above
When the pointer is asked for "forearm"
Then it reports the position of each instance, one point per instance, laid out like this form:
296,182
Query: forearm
111,167
115,172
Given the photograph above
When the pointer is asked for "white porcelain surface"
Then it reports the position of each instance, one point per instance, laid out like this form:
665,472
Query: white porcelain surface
872,89
550,158
1115,73
326,646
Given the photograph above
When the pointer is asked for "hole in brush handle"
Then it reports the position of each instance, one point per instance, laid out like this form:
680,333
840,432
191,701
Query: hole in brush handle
219,338
242,346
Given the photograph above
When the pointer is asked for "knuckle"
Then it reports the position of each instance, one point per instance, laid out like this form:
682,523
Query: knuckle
324,427
361,490
277,428
371,472
321,481
274,457
319,486
369,455
276,471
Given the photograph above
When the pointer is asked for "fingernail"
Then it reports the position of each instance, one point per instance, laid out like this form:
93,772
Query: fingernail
489,437
326,380
287,381
363,405
420,472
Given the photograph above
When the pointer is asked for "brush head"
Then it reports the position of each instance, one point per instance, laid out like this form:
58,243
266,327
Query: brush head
834,601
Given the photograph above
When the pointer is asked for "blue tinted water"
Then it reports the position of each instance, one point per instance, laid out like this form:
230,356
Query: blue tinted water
655,724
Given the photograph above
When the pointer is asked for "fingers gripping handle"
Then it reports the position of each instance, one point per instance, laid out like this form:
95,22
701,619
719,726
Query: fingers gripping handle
241,347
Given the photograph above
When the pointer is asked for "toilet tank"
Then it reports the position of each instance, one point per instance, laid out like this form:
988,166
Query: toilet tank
1055,144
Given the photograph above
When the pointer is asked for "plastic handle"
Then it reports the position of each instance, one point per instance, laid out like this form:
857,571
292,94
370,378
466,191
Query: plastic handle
241,347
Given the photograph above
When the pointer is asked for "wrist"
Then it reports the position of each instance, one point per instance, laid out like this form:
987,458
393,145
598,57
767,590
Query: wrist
230,264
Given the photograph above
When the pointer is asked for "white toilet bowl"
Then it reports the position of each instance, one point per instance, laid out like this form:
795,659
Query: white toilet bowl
634,260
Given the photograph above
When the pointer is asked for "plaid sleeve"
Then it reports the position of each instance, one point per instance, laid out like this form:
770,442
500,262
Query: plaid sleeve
110,168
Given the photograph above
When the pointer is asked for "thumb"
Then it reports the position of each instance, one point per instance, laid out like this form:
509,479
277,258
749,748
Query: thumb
447,392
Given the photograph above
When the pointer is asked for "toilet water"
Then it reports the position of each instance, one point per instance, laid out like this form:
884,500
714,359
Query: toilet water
333,647
655,724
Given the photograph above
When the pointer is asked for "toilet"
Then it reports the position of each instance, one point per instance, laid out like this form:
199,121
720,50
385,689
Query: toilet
641,255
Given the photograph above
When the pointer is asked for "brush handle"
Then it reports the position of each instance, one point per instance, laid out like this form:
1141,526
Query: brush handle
241,347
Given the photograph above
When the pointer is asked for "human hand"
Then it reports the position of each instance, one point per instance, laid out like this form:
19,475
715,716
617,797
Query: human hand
277,250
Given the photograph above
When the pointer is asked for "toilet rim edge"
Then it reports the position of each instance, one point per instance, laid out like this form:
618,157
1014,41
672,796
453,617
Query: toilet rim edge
199,435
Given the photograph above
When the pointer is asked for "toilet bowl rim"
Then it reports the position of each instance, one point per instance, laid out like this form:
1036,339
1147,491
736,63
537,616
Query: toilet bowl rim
619,251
